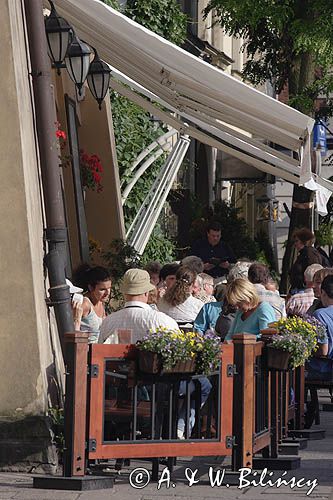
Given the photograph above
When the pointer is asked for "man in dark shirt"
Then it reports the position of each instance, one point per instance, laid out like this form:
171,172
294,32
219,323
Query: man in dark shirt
215,254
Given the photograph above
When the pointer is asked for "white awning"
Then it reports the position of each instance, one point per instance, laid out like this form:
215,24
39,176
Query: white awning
209,100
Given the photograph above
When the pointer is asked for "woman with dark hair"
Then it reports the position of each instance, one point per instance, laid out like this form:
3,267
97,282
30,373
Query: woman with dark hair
307,255
178,301
96,283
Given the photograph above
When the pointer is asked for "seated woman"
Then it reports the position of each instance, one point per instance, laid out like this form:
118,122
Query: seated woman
96,283
251,316
178,301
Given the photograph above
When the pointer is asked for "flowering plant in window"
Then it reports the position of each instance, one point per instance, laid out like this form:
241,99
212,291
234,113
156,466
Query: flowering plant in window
91,171
90,164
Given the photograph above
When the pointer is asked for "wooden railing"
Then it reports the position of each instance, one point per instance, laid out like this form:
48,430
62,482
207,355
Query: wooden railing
128,414
266,403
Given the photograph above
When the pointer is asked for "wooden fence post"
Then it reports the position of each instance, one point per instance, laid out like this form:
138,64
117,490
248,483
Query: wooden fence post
243,400
75,403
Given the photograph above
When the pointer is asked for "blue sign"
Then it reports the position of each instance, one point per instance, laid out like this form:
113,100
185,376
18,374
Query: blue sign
319,138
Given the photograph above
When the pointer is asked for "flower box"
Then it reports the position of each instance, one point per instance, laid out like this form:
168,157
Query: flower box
152,362
184,366
277,359
176,351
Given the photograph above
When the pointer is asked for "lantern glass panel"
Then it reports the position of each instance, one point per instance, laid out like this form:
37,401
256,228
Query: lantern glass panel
78,67
57,45
98,85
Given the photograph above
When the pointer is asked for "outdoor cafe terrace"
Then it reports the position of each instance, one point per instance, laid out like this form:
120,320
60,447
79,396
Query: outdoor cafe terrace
117,414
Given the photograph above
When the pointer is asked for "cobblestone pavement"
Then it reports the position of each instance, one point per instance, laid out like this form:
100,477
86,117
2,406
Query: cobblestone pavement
316,463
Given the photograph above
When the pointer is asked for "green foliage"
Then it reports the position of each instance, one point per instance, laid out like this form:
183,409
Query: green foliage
234,229
159,248
134,131
56,415
324,234
265,254
119,257
292,39
164,17
112,3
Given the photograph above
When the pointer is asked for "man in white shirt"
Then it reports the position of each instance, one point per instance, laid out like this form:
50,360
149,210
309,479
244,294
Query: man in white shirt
136,316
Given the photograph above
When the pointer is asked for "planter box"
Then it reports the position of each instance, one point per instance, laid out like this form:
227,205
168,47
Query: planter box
277,359
151,362
186,366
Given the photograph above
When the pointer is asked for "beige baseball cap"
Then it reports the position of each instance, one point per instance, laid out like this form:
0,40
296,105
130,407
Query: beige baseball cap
136,282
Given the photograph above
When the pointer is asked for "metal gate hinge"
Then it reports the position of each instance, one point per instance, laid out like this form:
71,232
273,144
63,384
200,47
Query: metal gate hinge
229,441
93,371
231,370
92,444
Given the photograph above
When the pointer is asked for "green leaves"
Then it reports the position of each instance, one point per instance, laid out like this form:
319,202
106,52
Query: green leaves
164,17
286,40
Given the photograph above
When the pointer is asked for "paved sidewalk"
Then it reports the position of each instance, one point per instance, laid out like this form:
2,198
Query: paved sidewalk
317,463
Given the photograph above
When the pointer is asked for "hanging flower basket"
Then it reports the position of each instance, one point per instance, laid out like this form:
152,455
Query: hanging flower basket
277,359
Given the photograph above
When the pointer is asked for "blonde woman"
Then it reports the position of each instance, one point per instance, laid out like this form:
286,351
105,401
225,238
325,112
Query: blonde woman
252,315
178,301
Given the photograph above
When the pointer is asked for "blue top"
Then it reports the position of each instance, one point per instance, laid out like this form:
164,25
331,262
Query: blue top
258,320
207,316
325,316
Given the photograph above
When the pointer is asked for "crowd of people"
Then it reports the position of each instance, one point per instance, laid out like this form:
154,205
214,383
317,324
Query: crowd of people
208,290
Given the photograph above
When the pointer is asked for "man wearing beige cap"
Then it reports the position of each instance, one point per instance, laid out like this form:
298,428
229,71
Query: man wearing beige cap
136,316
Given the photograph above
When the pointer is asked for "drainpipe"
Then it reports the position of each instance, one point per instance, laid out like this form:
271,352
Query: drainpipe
55,231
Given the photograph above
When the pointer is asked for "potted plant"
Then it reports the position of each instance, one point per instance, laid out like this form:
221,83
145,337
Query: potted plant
295,342
175,351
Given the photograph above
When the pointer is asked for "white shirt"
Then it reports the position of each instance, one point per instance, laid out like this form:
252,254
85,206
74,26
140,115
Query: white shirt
183,313
137,317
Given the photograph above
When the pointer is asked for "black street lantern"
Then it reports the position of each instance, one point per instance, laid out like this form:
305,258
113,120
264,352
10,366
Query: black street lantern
98,79
77,61
59,35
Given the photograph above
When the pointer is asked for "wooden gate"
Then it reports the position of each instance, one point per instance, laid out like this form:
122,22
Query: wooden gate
135,415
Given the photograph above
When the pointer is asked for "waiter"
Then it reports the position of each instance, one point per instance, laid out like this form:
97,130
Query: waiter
215,254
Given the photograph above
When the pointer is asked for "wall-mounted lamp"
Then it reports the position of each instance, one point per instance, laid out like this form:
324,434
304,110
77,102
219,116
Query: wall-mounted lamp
98,79
267,209
59,35
67,50
77,62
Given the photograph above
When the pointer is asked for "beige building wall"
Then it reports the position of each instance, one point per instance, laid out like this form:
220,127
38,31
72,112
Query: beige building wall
28,342
103,210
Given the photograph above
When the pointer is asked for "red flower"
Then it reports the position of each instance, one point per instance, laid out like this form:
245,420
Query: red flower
61,134
91,169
